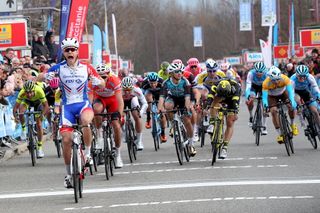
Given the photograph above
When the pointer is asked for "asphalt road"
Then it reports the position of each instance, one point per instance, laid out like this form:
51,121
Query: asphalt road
252,179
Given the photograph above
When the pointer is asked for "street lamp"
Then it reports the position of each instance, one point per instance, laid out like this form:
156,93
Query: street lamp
155,39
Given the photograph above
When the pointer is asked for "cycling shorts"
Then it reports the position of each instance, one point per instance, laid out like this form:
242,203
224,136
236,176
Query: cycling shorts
70,112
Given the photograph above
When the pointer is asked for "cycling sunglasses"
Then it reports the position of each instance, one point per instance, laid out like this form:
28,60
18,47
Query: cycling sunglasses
211,70
70,49
193,67
178,71
302,76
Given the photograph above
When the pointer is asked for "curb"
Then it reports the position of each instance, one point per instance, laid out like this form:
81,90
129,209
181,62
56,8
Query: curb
17,150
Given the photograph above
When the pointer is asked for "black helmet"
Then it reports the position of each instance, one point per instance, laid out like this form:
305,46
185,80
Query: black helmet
224,88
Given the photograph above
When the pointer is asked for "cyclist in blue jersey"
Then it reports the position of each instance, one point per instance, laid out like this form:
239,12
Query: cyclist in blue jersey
306,88
175,93
255,78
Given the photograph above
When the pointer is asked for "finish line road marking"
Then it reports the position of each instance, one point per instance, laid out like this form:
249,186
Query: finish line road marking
200,160
211,199
197,168
160,186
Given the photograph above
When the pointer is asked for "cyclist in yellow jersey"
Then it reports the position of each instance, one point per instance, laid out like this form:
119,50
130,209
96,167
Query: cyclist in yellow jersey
278,86
205,80
32,95
163,73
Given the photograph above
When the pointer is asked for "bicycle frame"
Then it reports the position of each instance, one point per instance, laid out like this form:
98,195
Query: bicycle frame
130,135
217,137
156,127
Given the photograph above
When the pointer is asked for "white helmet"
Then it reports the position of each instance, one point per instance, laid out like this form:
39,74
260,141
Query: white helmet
127,83
225,66
274,73
69,42
175,66
103,69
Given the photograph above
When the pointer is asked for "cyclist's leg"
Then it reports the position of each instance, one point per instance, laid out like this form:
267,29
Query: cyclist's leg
86,117
67,119
250,105
23,107
275,118
149,98
292,114
98,106
137,119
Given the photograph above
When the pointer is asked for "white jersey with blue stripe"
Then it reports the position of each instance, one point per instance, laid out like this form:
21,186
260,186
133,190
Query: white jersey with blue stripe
309,84
73,81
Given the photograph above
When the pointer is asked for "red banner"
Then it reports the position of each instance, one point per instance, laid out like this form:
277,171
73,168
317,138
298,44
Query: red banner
105,57
310,38
13,34
78,13
84,51
282,51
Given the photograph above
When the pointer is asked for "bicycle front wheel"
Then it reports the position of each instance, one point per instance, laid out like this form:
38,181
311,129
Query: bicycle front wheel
32,147
215,143
284,132
75,172
178,142
257,124
106,152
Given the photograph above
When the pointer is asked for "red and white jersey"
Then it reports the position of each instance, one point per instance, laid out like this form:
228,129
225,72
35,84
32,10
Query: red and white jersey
113,85
74,81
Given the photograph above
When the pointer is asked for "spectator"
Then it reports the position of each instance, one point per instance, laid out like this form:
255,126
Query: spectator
9,55
52,47
39,48
289,69
15,62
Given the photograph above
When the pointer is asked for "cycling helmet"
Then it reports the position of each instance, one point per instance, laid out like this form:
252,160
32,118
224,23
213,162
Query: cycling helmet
223,88
177,61
302,70
152,76
259,67
164,65
193,62
274,73
225,66
173,67
127,83
29,86
69,42
54,83
103,69
211,65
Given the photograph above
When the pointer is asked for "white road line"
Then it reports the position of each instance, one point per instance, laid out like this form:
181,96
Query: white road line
209,200
161,186
200,160
82,208
195,168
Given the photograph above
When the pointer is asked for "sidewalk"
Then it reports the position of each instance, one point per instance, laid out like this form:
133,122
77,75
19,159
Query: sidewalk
8,152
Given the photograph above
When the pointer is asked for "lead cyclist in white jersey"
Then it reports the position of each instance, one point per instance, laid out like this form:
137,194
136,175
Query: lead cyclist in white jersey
74,77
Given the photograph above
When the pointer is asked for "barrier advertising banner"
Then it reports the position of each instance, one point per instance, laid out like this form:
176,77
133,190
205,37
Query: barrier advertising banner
233,60
13,33
310,37
77,17
281,51
253,57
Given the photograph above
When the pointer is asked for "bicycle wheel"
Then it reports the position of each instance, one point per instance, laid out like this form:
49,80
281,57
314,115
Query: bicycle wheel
284,132
134,137
177,142
202,132
129,141
32,147
257,124
155,134
106,151
311,131
75,172
215,143
186,146
81,174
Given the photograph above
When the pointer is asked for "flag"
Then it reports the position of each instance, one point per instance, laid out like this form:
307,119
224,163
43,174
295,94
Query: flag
106,36
266,48
292,30
97,46
64,17
114,26
275,40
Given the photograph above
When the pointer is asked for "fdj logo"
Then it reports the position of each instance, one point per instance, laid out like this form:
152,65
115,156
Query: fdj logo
69,81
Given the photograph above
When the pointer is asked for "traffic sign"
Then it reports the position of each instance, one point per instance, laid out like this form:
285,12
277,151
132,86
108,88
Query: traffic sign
8,6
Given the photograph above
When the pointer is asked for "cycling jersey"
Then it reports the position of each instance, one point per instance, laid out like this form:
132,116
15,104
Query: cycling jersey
309,84
74,81
39,95
277,88
112,86
128,96
181,89
204,79
163,74
190,77
232,100
253,79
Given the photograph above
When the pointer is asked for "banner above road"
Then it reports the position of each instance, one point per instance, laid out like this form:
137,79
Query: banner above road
268,12
197,36
245,15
